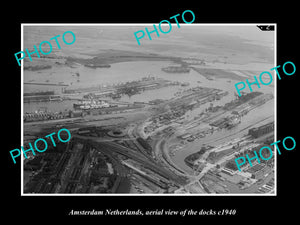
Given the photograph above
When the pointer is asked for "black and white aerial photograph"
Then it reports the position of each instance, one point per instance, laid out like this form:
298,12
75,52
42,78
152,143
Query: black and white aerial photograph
160,118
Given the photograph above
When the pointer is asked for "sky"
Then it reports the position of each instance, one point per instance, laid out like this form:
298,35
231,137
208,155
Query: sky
189,39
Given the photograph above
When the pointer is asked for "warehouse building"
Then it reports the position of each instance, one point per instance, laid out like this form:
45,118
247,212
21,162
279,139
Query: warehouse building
262,130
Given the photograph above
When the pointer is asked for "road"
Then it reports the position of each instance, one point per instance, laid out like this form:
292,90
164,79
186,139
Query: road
165,158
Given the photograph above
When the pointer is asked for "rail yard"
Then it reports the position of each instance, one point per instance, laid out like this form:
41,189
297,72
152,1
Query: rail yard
133,152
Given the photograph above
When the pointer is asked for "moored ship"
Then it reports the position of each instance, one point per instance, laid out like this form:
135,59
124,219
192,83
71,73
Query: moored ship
91,104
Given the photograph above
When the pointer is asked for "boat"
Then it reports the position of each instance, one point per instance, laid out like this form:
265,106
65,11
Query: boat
91,104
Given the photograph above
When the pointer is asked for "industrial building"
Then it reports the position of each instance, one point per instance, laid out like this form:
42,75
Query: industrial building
259,170
262,130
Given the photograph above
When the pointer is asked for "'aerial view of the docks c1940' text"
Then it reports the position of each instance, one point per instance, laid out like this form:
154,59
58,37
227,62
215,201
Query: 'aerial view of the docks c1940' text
160,118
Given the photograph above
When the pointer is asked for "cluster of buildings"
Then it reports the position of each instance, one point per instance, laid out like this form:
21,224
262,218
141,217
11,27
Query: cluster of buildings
75,168
43,115
226,170
259,170
227,122
186,100
267,188
46,170
241,100
163,120
194,61
176,69
152,180
212,183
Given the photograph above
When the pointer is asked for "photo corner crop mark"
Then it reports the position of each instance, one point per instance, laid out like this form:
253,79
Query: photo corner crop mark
266,27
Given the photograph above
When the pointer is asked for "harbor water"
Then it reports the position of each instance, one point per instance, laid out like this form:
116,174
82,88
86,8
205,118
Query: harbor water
129,71
118,73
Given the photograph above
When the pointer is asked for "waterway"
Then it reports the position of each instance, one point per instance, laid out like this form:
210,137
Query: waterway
116,74
256,117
